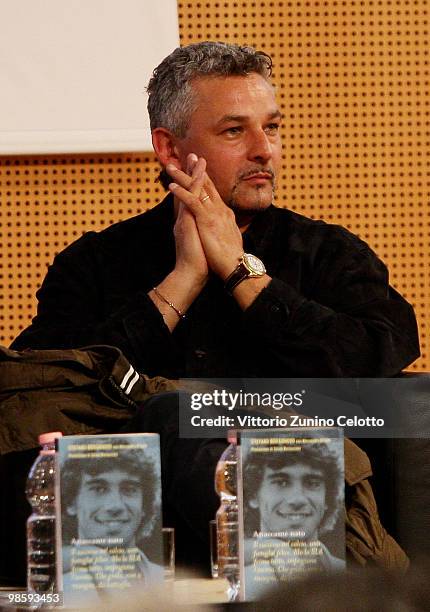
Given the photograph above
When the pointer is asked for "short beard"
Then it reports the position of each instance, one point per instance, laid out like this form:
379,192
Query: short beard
253,208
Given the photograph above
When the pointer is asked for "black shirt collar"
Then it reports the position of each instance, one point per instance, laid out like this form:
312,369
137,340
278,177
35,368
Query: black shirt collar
259,235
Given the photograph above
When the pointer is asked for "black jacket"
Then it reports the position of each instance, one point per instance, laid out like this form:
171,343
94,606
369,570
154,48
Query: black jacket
329,310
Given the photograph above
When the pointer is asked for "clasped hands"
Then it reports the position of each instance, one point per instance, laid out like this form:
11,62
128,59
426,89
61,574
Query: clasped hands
206,234
207,238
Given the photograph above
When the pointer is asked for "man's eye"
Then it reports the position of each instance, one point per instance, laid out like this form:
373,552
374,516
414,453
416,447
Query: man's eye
99,489
314,484
281,483
272,128
237,129
130,490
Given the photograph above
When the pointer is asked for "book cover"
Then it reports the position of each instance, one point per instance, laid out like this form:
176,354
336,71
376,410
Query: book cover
291,497
109,511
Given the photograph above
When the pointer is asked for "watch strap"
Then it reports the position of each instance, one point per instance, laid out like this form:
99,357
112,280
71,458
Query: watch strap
239,274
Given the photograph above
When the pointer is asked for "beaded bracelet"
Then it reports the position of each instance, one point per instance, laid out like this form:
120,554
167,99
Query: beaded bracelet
180,314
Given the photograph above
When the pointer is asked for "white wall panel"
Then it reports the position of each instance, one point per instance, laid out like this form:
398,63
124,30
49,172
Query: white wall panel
73,73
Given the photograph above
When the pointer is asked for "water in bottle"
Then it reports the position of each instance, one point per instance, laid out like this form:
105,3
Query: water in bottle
227,517
40,491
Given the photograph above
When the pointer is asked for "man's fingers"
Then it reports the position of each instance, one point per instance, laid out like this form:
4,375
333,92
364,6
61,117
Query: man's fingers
192,160
198,177
191,200
193,183
198,184
180,177
210,188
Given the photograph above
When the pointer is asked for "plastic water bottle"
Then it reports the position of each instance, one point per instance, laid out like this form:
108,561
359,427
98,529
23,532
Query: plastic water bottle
40,491
227,517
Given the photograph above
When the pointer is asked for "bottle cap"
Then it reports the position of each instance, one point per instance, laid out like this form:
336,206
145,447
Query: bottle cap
46,438
232,436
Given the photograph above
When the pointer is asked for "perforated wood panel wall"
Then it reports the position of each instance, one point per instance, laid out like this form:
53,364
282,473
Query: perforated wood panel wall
353,82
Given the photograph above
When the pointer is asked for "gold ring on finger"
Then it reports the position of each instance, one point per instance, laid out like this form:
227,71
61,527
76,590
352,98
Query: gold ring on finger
204,199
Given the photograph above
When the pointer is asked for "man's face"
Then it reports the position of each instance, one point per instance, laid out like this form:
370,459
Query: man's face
291,498
235,127
109,505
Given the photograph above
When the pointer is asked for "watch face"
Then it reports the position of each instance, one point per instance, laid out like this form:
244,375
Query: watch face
255,265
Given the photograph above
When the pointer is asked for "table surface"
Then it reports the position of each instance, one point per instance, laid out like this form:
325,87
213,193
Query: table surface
180,592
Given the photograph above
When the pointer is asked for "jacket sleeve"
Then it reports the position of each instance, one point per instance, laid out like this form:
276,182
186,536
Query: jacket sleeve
71,313
367,542
346,322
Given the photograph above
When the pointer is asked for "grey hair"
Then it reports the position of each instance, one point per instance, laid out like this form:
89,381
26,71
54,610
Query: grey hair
171,103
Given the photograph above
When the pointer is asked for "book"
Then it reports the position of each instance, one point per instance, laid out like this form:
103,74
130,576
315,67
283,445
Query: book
291,496
108,515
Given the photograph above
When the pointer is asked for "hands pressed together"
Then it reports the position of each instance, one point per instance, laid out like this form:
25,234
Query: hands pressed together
207,239
207,236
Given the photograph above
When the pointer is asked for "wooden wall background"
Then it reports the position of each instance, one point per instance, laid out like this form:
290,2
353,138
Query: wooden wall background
353,82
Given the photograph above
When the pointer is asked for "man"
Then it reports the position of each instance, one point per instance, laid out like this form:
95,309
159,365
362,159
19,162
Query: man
290,500
174,290
172,287
106,511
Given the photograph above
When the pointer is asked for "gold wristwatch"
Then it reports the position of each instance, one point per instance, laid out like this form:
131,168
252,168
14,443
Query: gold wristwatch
249,267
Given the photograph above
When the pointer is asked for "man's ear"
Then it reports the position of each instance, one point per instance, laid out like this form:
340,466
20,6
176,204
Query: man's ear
164,143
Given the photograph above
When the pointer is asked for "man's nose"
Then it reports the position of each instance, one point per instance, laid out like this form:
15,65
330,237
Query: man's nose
260,147
114,502
296,497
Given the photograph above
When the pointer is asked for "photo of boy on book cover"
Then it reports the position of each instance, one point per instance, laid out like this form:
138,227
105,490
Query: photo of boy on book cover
293,494
111,517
